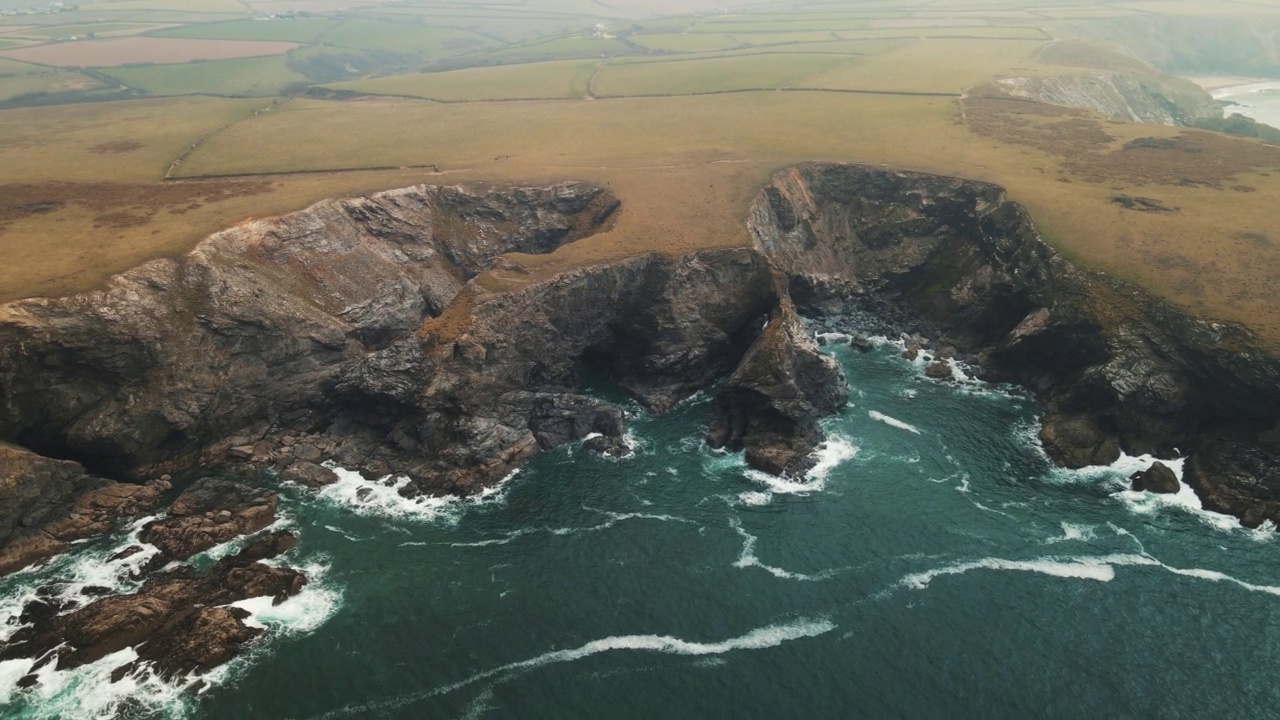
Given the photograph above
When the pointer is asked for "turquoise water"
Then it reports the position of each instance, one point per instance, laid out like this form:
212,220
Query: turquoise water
935,564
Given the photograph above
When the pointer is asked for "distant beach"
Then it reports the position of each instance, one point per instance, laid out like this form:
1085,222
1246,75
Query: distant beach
1258,98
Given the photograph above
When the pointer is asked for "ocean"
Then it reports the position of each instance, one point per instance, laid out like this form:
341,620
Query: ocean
934,563
1257,100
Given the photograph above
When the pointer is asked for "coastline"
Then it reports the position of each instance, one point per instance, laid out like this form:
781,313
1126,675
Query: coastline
1256,98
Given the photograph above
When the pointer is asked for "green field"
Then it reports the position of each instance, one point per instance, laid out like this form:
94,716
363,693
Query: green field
786,38
685,42
684,77
289,30
775,26
567,47
243,77
202,6
406,38
566,79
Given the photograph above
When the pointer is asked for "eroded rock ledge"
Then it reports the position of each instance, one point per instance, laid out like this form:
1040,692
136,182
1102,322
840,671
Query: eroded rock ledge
1116,368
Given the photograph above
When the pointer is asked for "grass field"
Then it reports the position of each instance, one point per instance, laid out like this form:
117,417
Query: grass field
418,40
944,66
286,29
685,42
43,80
565,79
63,31
135,50
202,6
246,77
567,47
82,196
683,77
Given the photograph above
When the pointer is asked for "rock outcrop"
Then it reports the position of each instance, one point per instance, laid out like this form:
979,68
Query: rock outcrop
1116,368
1237,478
1152,99
210,512
1158,478
770,406
46,504
177,621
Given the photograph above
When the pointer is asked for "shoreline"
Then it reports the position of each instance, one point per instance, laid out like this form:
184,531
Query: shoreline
1216,84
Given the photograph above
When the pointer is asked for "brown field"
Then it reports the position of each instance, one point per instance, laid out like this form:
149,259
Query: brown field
142,50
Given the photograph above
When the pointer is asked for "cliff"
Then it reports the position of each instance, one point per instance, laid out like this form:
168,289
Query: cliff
1116,368
1121,96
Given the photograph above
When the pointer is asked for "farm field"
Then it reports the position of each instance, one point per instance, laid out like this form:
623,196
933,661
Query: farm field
137,50
564,79
683,116
685,77
244,77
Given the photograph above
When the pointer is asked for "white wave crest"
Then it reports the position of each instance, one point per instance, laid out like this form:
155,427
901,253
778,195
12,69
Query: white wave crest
758,639
893,422
831,452
1100,568
382,498
1116,477
301,613
755,499
1072,532
1085,569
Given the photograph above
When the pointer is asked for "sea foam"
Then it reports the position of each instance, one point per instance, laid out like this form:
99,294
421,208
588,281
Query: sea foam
759,639
893,422
382,498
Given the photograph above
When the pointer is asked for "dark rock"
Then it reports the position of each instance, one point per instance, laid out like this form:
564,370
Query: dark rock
938,371
210,512
861,343
771,405
309,474
126,553
1236,478
175,620
46,504
607,445
911,353
1115,367
1157,479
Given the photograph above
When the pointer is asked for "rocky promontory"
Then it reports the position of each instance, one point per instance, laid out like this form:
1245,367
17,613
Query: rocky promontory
1116,368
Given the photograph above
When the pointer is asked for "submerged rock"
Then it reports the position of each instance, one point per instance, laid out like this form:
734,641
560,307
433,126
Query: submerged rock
1157,479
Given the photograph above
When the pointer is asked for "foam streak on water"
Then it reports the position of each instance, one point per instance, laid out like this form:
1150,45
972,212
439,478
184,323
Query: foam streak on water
893,422
1100,568
747,558
759,639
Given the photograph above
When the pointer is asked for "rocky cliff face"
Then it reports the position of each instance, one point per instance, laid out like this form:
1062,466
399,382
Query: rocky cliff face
352,331
362,331
1116,368
256,325
1154,100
